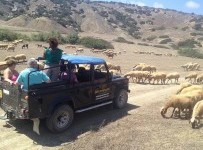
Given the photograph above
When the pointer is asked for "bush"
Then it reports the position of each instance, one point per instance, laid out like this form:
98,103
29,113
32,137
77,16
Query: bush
189,43
165,41
163,36
95,43
189,52
73,39
174,46
122,40
45,36
160,46
11,36
143,44
200,39
151,37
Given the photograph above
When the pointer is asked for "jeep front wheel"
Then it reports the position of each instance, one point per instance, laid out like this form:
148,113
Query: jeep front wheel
61,119
121,99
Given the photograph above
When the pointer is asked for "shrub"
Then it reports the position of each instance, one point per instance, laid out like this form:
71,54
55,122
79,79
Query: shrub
189,43
163,36
143,44
189,52
95,43
200,39
193,34
45,36
151,37
11,36
165,41
122,40
73,39
161,46
174,46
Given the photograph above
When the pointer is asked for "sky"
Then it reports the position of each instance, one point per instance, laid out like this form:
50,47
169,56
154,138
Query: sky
189,6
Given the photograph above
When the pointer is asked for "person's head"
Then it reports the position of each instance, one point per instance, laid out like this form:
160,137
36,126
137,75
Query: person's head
53,43
11,63
32,63
72,67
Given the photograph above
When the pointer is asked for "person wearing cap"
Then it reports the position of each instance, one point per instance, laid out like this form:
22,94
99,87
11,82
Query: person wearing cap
35,77
10,74
52,56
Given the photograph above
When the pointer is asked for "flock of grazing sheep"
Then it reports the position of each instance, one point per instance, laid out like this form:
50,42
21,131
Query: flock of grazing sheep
189,101
153,53
11,46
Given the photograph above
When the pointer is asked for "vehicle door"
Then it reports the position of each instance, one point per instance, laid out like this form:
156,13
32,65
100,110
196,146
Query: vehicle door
82,91
102,84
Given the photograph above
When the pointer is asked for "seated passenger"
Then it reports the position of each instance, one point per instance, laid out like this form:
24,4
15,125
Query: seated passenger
36,77
64,75
10,74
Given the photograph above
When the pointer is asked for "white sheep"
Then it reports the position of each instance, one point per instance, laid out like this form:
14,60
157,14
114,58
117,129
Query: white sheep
191,76
157,76
9,57
171,76
177,101
20,57
11,48
196,114
200,78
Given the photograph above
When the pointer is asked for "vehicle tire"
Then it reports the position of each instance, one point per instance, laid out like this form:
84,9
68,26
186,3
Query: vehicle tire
61,119
121,99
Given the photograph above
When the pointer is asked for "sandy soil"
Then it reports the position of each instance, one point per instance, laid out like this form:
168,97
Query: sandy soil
138,126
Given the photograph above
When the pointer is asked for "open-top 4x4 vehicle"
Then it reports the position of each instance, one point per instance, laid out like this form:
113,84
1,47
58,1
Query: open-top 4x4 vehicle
58,101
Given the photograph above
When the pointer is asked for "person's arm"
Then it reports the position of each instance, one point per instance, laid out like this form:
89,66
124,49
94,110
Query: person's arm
7,75
45,78
19,80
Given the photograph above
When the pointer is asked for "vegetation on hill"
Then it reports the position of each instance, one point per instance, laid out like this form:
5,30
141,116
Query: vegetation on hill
95,43
123,40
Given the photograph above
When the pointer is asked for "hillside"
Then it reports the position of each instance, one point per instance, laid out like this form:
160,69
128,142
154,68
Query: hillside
103,19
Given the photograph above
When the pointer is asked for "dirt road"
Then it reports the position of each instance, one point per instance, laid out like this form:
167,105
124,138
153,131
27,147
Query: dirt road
138,126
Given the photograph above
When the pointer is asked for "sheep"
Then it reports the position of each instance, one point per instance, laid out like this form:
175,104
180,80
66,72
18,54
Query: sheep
3,46
177,101
80,50
183,86
200,78
115,67
190,66
153,69
111,66
157,76
196,114
114,72
139,75
171,76
10,48
20,57
191,88
9,57
191,76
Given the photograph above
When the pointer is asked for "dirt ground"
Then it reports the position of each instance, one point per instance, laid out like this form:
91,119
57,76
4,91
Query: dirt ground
138,126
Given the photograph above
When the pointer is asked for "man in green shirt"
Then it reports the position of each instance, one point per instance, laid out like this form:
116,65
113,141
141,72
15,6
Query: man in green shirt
52,56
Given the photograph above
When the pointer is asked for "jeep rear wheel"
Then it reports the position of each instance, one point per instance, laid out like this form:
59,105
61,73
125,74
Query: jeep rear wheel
61,119
121,99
